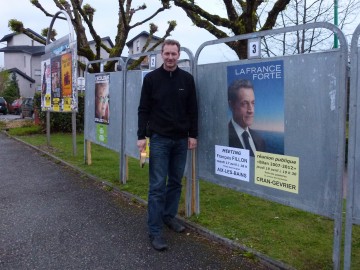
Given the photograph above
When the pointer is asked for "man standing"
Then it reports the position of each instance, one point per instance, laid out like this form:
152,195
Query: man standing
241,100
168,115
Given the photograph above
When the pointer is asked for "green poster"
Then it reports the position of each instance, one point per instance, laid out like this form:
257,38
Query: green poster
101,133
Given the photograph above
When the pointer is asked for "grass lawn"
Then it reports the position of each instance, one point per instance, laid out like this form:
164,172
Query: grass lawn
297,238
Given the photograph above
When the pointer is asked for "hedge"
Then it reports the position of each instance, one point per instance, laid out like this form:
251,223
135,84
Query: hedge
61,122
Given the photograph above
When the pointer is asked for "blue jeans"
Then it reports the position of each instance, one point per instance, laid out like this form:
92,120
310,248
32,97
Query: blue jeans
166,169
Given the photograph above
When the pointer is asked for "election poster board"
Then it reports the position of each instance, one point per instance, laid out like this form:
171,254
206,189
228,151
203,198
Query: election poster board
256,107
58,69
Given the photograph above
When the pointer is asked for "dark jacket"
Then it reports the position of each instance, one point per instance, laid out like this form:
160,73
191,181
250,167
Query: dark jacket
234,140
168,104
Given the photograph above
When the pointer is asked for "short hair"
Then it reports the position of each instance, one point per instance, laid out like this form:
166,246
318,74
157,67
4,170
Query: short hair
235,86
170,42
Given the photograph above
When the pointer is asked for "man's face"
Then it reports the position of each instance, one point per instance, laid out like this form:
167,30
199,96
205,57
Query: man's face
101,100
170,55
244,107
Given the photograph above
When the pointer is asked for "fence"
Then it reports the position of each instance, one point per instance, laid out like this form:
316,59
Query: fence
300,114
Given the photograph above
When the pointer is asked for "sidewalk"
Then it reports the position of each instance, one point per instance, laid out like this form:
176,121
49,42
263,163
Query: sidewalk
52,217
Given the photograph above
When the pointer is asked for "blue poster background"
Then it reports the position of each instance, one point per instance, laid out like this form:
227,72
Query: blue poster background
268,81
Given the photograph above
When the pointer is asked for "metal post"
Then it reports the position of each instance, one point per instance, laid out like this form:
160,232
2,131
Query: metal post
48,127
336,22
73,126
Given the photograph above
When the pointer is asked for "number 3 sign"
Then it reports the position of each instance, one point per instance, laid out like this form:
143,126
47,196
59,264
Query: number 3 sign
254,48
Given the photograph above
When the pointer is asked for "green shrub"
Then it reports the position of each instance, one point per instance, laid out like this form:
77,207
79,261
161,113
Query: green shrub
61,122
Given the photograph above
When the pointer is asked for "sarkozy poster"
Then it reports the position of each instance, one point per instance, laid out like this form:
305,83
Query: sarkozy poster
256,104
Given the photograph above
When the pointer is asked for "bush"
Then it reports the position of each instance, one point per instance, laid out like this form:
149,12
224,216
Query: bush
61,122
10,87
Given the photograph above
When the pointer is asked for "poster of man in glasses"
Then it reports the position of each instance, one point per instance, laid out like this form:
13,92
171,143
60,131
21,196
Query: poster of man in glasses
102,98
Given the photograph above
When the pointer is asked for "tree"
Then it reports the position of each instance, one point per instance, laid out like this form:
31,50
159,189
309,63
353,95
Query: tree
4,81
312,40
82,17
11,91
242,18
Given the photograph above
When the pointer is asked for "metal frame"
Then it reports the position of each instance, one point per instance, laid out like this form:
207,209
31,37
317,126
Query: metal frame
341,146
353,155
71,44
102,61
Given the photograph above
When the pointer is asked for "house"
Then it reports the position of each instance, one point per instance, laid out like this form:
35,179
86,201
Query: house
22,55
103,54
136,44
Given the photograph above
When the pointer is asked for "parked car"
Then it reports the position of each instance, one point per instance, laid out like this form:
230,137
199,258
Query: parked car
3,106
27,108
15,107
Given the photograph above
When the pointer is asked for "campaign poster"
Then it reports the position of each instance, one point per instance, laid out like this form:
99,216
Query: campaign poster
66,78
46,84
256,104
55,80
101,133
102,98
277,171
232,162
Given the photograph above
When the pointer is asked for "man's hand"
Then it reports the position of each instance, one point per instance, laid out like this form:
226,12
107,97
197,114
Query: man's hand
192,143
141,144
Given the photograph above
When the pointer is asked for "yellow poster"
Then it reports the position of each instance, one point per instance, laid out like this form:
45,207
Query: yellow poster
145,155
147,149
67,104
66,77
56,105
277,171
47,100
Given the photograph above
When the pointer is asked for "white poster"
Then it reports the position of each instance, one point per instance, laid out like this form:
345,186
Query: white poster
232,162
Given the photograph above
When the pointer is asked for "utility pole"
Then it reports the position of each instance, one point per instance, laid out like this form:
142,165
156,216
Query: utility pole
336,44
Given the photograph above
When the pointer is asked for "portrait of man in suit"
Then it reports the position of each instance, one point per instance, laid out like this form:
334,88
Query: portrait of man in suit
241,100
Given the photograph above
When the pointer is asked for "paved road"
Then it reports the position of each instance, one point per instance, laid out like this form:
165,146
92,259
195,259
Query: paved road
51,217
8,117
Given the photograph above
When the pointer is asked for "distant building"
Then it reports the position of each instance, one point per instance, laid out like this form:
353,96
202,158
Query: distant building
23,56
137,43
103,54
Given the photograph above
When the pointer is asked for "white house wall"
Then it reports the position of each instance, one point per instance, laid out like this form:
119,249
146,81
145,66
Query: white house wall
22,61
27,88
22,39
36,72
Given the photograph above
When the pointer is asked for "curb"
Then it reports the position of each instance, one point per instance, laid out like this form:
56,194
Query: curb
269,262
